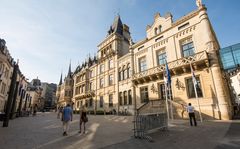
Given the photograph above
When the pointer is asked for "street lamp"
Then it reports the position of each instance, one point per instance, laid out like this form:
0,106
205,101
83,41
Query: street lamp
11,95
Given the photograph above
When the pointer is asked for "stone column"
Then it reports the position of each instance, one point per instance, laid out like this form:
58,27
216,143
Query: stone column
212,47
133,85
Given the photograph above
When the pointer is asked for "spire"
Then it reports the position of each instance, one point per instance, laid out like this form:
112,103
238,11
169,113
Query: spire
69,70
60,82
117,26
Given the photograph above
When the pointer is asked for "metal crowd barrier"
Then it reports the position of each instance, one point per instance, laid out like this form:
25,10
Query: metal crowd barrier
144,123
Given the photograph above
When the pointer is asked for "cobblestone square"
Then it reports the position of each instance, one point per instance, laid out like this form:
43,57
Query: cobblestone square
44,131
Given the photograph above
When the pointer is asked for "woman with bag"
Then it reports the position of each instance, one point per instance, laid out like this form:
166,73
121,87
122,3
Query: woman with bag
83,119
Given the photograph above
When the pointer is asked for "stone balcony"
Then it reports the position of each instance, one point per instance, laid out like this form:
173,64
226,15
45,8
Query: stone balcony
86,94
178,66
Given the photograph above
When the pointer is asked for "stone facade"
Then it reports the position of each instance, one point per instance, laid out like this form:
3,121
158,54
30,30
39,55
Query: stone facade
124,75
6,69
64,91
189,40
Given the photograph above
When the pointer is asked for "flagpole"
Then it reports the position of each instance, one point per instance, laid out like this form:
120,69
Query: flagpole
195,90
166,99
170,93
200,113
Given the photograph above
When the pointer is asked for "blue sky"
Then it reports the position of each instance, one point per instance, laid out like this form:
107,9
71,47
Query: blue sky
46,34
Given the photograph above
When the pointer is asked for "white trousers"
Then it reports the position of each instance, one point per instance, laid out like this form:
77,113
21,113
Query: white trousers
66,126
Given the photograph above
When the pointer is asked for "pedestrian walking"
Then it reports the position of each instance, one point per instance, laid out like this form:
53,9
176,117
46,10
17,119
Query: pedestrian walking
66,118
60,110
35,109
190,110
83,119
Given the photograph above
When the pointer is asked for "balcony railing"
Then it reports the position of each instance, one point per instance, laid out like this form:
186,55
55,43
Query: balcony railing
200,57
85,94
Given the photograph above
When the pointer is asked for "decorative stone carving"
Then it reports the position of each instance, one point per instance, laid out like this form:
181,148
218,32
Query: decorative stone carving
179,84
153,89
199,3
130,41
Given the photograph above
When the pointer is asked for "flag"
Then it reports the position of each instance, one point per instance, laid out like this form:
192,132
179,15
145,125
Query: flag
168,75
193,76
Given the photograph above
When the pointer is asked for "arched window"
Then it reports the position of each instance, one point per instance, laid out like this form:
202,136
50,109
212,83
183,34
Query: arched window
155,31
160,28
120,77
128,71
125,75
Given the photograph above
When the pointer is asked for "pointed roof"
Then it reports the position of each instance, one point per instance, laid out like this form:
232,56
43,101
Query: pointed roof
60,82
117,26
69,70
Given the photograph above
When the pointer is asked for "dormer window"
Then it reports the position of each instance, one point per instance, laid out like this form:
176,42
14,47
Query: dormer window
155,31
160,28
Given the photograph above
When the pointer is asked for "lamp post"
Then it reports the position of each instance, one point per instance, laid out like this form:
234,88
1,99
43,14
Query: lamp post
13,110
11,96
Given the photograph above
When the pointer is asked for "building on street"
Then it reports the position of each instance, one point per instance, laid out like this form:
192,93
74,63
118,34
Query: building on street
125,75
65,89
49,94
6,69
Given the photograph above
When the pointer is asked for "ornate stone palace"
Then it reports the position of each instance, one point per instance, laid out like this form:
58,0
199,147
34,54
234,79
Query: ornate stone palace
124,75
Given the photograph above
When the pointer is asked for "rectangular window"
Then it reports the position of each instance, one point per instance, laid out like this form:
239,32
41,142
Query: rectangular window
190,88
101,83
90,102
183,26
83,88
144,94
111,100
110,80
125,74
125,98
76,90
102,68
120,75
130,97
159,38
83,77
101,102
142,64
90,74
110,64
90,86
187,47
86,103
161,56
162,92
3,88
6,73
140,48
120,98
